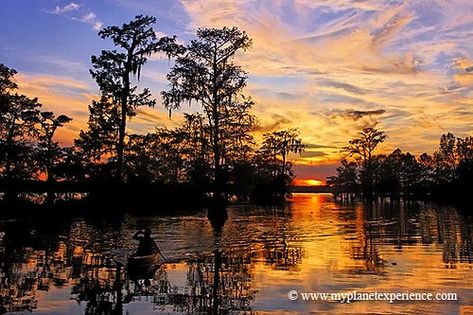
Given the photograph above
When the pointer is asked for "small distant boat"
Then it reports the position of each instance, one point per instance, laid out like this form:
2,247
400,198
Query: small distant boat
143,265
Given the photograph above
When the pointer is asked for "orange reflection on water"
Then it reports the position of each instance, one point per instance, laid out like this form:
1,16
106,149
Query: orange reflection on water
313,244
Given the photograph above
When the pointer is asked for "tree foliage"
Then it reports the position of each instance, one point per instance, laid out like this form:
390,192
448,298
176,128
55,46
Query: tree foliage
205,73
27,145
101,137
364,145
18,114
49,153
446,174
362,148
113,71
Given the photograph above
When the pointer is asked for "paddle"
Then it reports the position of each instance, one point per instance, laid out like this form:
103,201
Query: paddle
163,256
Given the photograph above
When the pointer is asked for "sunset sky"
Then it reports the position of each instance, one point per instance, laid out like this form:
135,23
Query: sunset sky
328,67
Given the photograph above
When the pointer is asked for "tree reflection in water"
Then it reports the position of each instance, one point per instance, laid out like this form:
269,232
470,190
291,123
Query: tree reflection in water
214,284
406,223
76,256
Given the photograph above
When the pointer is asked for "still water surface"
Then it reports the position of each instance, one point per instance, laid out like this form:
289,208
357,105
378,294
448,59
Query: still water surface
247,267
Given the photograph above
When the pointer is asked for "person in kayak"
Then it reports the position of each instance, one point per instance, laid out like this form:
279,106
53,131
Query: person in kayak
147,245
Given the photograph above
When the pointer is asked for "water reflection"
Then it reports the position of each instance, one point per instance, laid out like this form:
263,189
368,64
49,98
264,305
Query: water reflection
247,266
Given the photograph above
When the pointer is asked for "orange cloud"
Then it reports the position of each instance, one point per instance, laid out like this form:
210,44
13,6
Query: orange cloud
61,95
369,56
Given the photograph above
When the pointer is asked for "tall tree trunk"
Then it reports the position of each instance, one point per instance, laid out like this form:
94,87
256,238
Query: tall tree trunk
122,129
124,107
9,149
49,181
218,180
283,166
10,195
217,166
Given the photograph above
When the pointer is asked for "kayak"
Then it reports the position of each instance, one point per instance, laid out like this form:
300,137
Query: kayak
143,265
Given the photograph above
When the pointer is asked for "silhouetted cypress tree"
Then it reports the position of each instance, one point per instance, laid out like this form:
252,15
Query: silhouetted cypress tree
114,69
206,73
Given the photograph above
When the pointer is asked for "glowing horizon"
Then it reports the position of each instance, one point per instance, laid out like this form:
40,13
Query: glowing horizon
309,182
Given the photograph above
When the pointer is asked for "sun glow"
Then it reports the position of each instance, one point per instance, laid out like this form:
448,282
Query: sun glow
308,182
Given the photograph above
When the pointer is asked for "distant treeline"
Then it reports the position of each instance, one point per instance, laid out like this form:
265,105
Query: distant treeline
213,150
446,176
